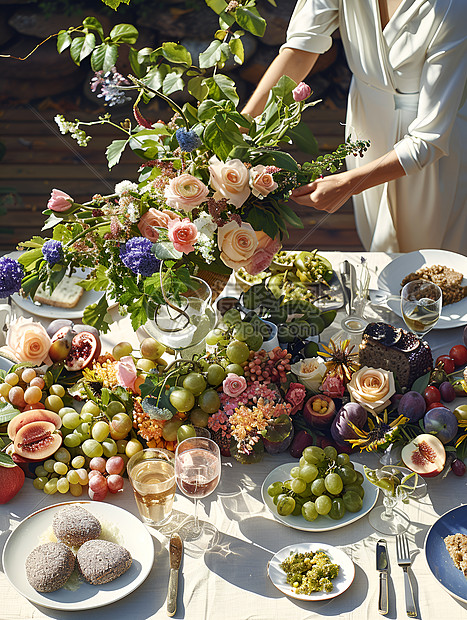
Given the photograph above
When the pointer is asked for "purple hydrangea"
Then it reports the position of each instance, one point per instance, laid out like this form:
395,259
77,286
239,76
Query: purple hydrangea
11,274
187,139
136,255
52,251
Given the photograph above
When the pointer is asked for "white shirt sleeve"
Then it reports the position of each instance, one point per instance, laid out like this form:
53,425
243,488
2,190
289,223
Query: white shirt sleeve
442,86
312,24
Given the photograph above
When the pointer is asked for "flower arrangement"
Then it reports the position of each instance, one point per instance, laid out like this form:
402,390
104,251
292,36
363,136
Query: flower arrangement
212,190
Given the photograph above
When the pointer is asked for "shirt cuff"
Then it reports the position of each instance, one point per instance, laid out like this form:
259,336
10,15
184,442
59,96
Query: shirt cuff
318,43
411,152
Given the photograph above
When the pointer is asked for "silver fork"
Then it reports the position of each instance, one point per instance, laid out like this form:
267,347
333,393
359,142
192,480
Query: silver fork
403,559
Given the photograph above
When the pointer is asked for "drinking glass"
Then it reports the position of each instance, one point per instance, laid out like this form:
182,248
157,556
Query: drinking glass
421,304
183,325
152,475
398,485
197,471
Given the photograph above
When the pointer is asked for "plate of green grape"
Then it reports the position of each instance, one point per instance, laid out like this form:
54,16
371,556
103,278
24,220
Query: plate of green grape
323,491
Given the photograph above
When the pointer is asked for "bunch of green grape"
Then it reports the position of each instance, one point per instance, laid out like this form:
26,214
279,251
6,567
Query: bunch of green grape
236,336
324,483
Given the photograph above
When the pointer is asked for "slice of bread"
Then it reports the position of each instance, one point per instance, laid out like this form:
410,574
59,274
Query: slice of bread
66,294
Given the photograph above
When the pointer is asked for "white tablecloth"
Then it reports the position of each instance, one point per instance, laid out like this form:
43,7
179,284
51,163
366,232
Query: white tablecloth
230,580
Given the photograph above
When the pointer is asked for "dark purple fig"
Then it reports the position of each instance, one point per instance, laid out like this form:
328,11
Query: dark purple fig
412,405
301,441
447,391
340,429
458,467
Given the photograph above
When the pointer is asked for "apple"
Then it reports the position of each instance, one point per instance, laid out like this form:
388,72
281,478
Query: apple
319,411
11,481
425,455
441,422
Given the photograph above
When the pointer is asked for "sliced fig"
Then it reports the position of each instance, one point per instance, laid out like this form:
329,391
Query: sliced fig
37,440
33,415
84,348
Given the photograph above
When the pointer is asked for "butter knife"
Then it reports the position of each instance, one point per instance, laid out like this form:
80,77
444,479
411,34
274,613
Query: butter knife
175,554
382,565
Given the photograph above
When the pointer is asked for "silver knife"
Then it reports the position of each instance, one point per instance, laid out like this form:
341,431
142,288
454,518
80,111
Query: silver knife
382,565
175,554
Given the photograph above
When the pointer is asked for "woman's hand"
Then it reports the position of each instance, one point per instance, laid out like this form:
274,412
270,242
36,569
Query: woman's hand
325,194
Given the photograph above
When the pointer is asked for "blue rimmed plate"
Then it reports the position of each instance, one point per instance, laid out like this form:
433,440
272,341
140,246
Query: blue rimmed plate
438,559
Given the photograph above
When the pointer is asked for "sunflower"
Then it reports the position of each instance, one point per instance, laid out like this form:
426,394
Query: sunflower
340,360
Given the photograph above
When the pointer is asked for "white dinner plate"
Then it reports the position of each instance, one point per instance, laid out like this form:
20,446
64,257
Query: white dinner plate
390,278
341,582
322,523
26,536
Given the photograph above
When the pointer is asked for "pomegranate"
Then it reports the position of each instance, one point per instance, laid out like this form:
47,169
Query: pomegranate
85,347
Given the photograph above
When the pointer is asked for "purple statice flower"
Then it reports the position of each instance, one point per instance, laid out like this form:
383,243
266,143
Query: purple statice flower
187,139
52,251
109,84
136,255
11,274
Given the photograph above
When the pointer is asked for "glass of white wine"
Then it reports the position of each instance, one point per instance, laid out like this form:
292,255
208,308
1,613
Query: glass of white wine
421,304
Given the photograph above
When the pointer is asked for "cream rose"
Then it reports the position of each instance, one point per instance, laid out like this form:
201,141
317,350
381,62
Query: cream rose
27,341
262,182
229,180
237,244
372,388
310,372
185,192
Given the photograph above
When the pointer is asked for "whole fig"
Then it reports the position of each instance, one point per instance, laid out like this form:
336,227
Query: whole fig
412,405
340,429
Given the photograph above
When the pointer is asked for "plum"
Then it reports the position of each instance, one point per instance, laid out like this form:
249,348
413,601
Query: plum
447,391
301,441
412,405
442,423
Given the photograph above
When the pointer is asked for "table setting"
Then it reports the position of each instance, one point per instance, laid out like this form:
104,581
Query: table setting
196,423
248,537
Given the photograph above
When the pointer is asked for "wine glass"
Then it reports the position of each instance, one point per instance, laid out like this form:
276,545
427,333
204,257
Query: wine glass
197,472
398,485
421,303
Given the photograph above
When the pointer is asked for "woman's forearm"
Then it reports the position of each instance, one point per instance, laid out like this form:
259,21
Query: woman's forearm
294,63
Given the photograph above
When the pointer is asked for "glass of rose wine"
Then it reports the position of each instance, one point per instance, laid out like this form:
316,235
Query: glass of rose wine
197,472
421,304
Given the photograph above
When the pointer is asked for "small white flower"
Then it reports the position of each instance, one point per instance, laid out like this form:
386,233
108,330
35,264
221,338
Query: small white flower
132,212
125,186
205,246
63,125
205,225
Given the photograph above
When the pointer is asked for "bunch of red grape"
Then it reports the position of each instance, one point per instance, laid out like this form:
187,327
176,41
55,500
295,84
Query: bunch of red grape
272,365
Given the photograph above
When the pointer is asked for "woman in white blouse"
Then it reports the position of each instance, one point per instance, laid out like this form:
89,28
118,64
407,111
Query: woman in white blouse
407,96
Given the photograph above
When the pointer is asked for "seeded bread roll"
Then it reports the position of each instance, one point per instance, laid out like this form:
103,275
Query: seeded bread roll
74,525
101,561
456,544
49,566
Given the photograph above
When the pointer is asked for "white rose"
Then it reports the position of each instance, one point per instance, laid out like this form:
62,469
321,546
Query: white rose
310,372
372,388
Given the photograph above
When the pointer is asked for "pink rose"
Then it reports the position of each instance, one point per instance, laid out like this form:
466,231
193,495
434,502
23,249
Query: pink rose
229,180
126,372
183,234
333,387
28,341
295,396
301,92
154,219
233,385
237,244
185,192
264,253
262,182
59,201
